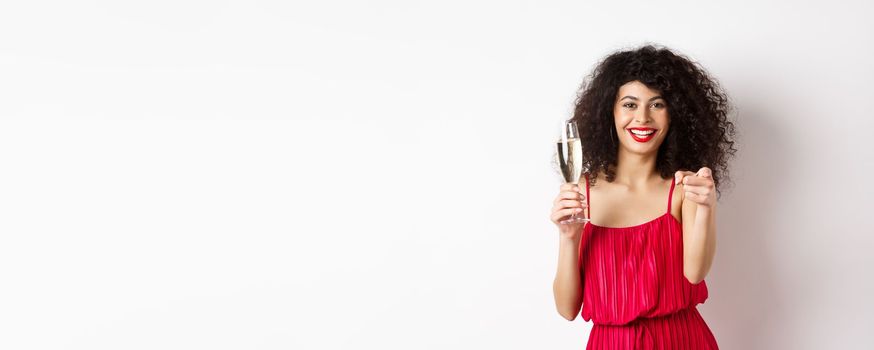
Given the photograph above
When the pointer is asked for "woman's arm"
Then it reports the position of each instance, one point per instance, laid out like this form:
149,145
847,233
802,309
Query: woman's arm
567,287
699,224
699,240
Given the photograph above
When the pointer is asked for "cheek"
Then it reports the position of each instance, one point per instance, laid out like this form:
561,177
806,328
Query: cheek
665,119
622,119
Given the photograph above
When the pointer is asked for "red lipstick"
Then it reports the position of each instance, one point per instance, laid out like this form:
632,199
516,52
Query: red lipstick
642,138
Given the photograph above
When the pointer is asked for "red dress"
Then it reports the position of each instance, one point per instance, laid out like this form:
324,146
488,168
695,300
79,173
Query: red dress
634,289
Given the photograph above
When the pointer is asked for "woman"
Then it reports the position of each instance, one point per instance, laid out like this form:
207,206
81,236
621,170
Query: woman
656,142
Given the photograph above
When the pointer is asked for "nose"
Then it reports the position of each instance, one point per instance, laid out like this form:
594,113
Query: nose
642,116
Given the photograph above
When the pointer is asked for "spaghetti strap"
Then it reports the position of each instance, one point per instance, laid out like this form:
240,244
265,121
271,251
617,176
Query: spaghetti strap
588,204
671,194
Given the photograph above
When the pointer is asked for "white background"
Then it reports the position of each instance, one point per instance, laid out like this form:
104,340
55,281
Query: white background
342,175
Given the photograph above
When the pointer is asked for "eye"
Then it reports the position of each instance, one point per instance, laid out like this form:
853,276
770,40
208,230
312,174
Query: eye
658,105
629,105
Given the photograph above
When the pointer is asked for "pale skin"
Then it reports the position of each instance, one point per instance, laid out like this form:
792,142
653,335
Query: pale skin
637,195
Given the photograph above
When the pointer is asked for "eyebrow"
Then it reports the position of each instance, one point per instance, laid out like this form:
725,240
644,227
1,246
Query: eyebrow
635,98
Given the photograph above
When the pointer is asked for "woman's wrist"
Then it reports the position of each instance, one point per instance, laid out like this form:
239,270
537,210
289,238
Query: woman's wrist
571,241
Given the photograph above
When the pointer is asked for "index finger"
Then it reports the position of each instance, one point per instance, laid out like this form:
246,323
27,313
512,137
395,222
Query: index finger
696,181
679,175
570,187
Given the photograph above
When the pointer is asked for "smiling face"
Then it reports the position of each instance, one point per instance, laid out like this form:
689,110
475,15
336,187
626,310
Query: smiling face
641,118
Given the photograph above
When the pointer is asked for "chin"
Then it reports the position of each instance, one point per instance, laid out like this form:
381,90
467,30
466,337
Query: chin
643,149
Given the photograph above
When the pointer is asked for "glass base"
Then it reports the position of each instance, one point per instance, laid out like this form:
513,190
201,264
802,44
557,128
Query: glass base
574,220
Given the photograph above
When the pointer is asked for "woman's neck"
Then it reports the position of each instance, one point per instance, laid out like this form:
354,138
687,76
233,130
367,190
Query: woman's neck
635,170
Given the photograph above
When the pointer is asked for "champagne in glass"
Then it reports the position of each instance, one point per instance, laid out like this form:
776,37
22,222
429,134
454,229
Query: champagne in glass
570,160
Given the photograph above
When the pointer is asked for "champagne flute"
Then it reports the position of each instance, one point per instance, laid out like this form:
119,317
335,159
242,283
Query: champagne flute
569,159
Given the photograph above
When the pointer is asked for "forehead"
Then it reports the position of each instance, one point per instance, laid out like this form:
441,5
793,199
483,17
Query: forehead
636,89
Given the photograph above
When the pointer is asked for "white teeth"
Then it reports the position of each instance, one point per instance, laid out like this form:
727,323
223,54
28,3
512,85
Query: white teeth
642,133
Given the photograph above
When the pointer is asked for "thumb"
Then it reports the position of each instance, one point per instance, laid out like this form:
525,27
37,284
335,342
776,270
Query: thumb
705,172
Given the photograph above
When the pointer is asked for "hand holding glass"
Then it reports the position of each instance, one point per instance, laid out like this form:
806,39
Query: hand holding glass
570,161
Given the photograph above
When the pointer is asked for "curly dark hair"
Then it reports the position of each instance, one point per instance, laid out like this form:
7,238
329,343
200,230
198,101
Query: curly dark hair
700,133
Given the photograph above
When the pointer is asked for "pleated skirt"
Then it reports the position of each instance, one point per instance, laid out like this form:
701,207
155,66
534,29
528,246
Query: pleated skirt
682,330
